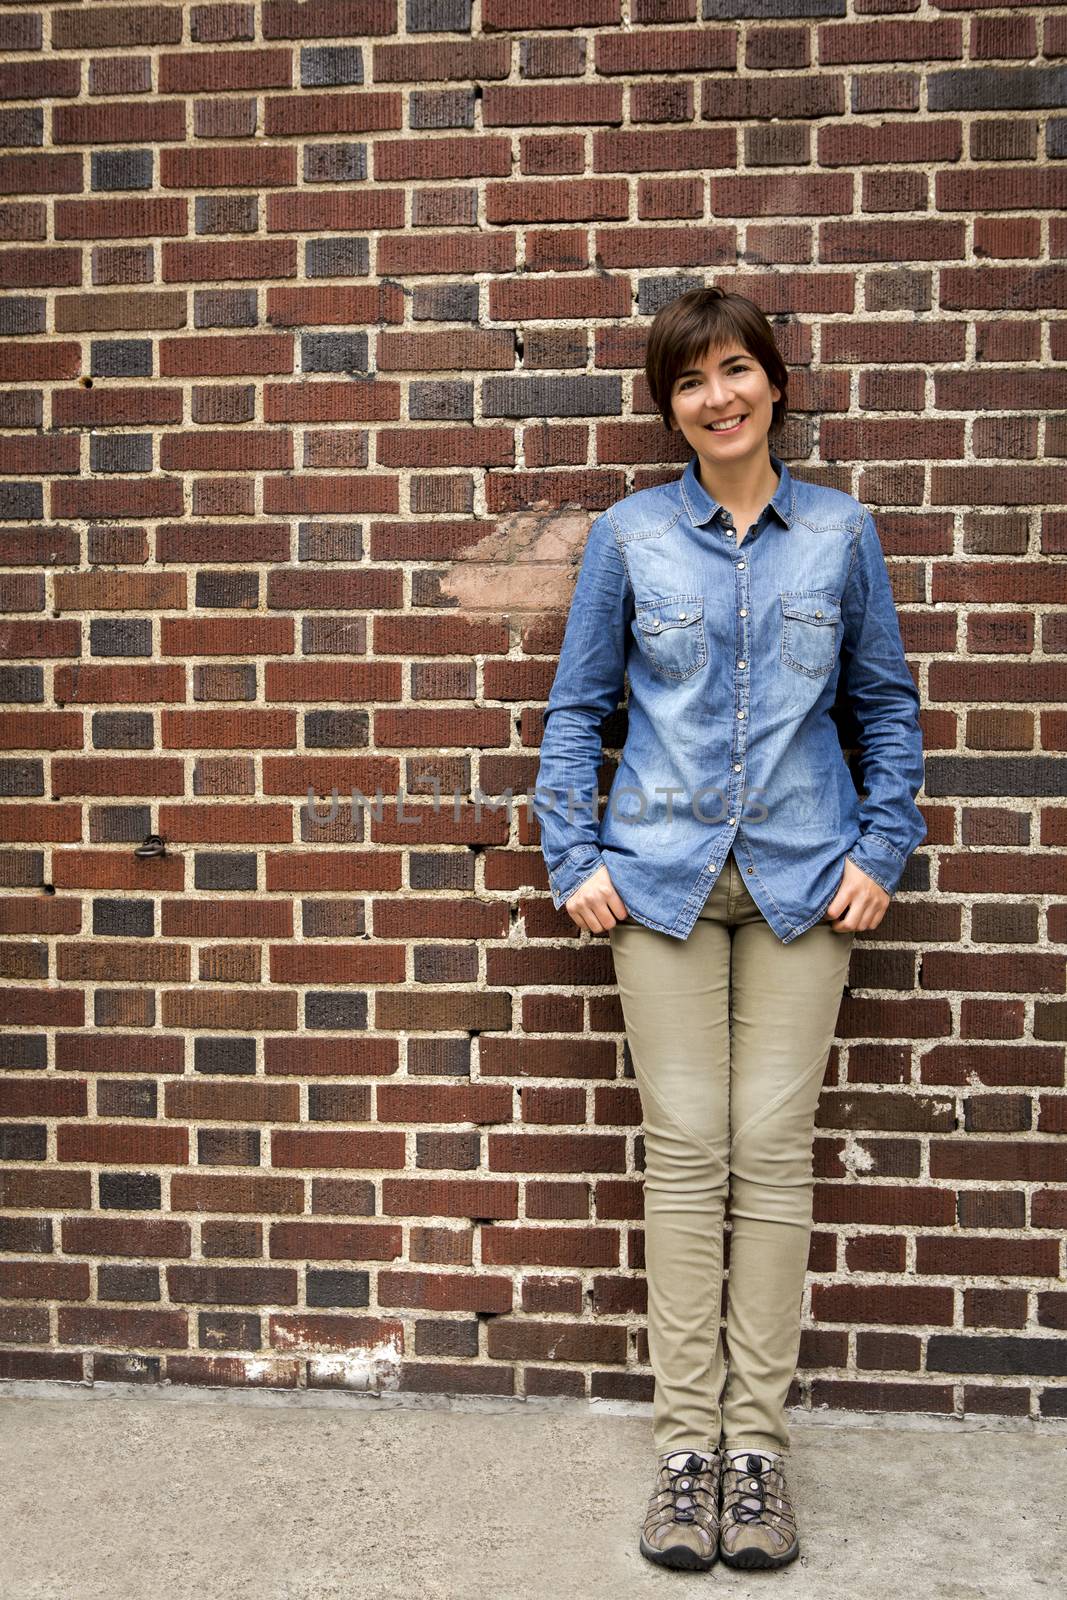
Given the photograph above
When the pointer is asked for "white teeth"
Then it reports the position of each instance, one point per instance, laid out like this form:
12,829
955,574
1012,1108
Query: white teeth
723,427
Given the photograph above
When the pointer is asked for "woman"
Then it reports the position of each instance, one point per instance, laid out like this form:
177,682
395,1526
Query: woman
733,867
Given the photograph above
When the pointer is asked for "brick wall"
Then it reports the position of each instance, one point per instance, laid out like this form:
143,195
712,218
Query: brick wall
321,342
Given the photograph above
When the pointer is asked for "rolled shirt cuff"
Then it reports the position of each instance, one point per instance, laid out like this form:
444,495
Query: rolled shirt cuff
879,859
577,865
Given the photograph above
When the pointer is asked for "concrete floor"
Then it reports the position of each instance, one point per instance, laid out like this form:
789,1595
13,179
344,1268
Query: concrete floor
171,1494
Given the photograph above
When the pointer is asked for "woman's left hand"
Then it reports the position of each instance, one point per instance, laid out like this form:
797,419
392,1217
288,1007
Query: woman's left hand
859,903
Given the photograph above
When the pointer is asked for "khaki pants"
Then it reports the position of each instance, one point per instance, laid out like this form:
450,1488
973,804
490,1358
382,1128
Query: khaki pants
729,1033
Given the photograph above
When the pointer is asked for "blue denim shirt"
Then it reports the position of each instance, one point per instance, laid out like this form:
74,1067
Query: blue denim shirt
734,653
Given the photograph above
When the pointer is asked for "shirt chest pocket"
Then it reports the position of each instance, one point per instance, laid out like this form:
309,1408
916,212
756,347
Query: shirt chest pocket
811,631
670,633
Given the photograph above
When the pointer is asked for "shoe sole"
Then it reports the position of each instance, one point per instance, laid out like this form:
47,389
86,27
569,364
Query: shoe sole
678,1556
758,1558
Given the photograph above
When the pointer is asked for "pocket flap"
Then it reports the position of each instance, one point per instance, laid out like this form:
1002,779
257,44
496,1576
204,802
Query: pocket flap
653,616
812,606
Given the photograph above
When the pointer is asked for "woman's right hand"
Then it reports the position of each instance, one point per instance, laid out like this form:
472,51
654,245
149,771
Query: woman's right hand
595,905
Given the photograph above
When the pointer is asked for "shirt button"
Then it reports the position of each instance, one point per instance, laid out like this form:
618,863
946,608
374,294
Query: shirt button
737,766
743,612
730,821
740,566
681,616
740,663
740,713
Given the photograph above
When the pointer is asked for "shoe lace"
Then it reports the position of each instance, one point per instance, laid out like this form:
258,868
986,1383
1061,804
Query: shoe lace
680,1491
754,1467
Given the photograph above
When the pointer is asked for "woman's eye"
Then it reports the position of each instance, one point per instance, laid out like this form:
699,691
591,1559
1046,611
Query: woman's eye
738,366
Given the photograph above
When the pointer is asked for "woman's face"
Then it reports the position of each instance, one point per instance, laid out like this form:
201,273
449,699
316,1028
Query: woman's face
728,385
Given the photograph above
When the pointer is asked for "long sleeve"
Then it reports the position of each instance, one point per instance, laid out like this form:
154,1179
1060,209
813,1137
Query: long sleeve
587,688
885,705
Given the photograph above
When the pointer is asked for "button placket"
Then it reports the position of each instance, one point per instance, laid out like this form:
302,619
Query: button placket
741,688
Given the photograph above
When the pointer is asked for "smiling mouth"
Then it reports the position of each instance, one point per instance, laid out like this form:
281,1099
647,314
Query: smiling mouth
733,429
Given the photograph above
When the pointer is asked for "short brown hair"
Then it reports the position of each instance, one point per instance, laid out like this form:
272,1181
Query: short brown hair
697,321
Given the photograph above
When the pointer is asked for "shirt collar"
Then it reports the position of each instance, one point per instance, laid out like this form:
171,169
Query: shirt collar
702,507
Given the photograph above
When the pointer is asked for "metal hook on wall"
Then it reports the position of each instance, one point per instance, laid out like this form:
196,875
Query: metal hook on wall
153,846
